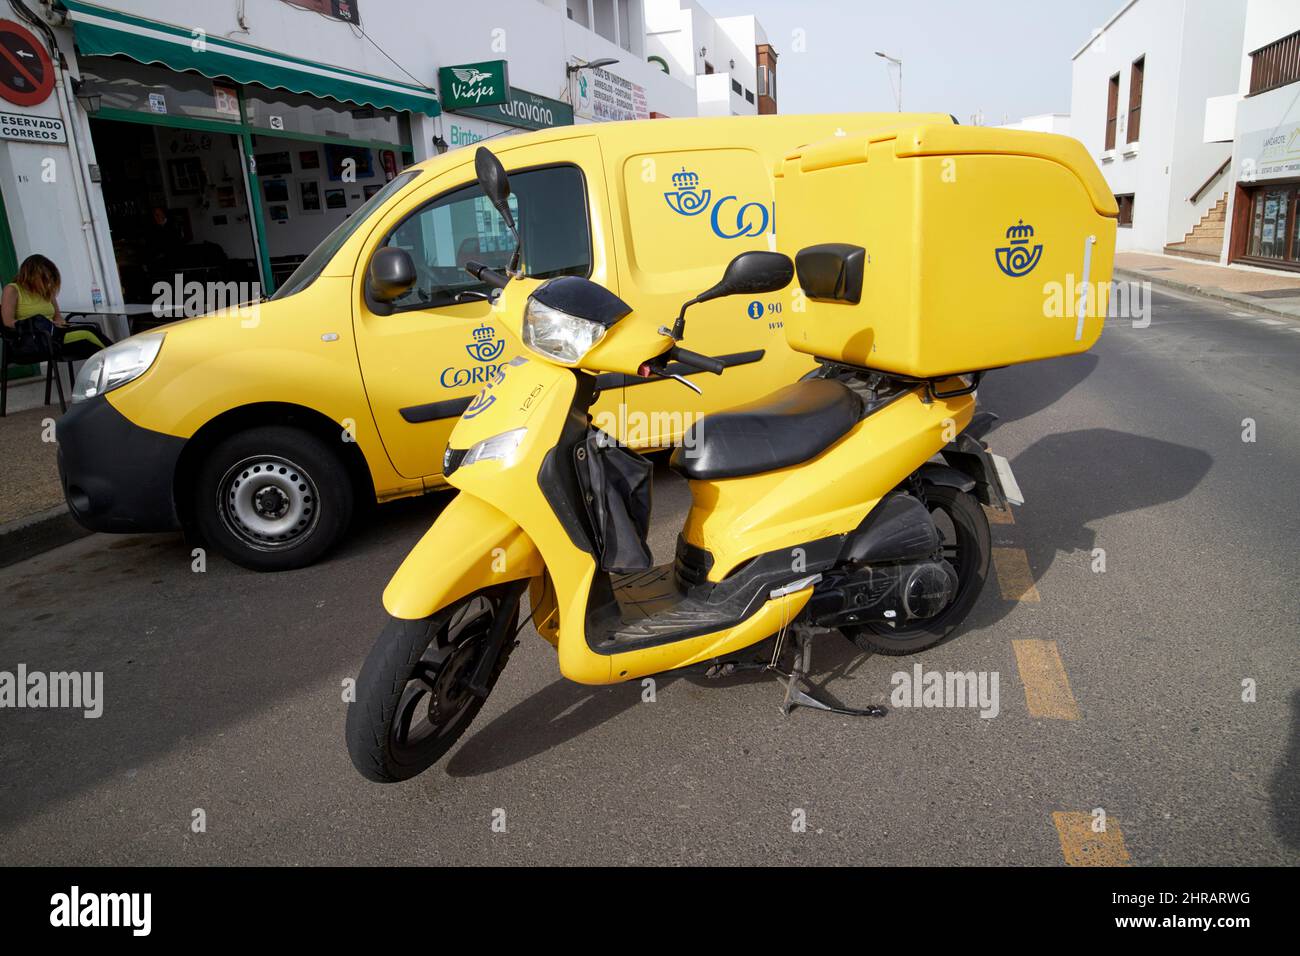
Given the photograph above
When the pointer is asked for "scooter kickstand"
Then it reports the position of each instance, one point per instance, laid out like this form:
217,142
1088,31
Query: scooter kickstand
795,696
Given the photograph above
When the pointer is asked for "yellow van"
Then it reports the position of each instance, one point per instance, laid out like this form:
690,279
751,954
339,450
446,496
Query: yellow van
258,429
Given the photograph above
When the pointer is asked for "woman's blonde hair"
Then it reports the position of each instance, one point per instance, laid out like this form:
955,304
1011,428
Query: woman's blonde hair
39,276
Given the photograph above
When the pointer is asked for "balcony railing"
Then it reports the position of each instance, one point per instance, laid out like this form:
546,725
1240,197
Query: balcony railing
1275,65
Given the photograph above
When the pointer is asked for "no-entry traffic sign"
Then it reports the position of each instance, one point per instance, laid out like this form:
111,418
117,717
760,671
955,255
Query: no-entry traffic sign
26,70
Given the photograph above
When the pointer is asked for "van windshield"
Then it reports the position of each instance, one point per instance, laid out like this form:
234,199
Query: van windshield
315,263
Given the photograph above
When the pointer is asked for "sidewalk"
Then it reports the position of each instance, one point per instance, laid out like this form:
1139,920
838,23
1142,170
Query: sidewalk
33,516
1278,293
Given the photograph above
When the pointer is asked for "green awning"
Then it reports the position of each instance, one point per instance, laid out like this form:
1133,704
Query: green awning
100,31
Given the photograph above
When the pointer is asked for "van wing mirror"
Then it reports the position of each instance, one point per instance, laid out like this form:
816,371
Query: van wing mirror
752,273
390,276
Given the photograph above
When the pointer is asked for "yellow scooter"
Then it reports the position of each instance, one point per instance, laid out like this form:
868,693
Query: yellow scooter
816,509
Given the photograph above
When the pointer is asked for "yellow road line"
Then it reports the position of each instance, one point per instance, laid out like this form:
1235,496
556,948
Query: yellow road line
1014,576
1082,847
1047,688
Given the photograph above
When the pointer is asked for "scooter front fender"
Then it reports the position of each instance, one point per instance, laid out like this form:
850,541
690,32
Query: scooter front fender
471,546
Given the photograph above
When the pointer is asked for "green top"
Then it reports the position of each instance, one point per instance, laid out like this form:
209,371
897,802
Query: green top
31,305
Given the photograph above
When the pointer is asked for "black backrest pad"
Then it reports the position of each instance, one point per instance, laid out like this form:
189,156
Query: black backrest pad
831,272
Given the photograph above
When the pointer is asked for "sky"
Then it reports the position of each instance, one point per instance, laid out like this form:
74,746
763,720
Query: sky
1007,58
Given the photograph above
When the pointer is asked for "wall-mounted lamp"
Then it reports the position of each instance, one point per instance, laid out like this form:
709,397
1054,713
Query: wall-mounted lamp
440,144
604,61
90,101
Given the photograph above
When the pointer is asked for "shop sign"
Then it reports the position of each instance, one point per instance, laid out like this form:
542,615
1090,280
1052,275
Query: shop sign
467,130
525,110
338,9
32,129
601,95
1270,154
474,84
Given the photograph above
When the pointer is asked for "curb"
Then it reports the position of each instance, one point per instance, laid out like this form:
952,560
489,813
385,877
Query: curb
35,534
1217,294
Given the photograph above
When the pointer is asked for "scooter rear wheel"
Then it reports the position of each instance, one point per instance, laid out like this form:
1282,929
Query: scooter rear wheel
967,544
413,698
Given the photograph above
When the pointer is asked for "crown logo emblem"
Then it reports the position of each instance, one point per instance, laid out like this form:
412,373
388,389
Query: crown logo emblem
686,198
1018,258
1020,233
485,346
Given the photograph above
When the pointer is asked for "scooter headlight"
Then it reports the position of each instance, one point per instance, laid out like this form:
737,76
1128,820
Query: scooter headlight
116,365
559,335
499,448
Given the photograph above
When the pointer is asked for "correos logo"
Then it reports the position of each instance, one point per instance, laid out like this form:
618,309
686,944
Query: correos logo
730,218
485,348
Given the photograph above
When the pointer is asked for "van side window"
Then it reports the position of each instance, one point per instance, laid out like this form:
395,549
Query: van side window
550,208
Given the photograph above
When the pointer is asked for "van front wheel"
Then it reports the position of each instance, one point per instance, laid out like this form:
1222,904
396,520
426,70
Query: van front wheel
273,498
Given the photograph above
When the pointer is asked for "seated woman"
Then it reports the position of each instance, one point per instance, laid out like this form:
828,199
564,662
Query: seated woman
33,297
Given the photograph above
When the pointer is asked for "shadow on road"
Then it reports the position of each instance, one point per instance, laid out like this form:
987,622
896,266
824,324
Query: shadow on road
1075,479
1016,393
1285,789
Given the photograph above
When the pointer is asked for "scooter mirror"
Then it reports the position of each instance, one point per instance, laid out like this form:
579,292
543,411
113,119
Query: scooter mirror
752,273
494,182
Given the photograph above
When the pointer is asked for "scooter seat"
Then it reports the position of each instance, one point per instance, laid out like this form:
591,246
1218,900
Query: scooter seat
789,426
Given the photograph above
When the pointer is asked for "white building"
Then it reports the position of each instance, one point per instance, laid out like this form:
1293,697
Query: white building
1137,102
186,137
1058,123
729,60
1262,121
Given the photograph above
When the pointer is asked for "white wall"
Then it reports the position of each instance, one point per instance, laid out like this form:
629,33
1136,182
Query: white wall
1058,123
678,29
1192,51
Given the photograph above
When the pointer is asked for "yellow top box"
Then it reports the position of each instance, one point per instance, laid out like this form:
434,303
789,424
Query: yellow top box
948,249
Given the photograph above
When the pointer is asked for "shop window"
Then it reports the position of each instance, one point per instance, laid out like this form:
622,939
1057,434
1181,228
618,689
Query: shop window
129,87
1276,64
550,207
1125,203
1112,109
1135,99
1273,226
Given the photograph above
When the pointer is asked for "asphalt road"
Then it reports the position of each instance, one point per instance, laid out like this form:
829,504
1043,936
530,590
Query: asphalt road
223,689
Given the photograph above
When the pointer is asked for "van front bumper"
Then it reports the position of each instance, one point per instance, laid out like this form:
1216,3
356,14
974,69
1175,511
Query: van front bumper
116,476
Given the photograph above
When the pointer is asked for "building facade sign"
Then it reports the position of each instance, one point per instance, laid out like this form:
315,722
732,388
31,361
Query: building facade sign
1270,154
525,110
474,84
602,96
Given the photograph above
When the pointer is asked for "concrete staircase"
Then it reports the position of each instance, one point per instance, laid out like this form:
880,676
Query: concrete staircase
1205,241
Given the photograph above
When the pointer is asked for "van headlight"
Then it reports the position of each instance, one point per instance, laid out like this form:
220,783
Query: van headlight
497,448
116,365
559,335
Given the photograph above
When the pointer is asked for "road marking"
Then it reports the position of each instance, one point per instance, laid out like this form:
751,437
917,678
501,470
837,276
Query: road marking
1047,688
1270,321
1243,315
998,517
1082,847
1014,577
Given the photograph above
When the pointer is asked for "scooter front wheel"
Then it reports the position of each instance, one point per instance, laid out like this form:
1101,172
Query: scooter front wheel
413,693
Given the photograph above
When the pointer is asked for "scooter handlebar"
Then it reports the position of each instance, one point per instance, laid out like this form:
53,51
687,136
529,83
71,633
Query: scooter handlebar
481,272
695,360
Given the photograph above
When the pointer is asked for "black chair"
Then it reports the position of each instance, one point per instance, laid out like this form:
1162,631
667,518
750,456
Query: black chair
18,347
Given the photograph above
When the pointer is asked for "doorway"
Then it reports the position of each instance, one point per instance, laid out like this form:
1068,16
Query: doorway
177,207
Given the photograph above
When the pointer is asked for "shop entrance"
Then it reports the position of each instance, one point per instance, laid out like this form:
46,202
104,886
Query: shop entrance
177,208
226,187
